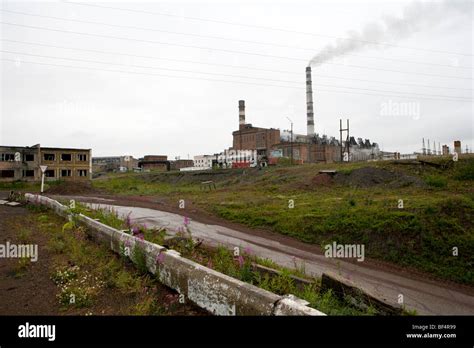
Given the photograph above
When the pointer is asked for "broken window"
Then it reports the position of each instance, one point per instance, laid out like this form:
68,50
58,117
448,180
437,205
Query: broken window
29,157
65,172
66,157
28,173
7,157
49,156
82,158
49,173
82,172
7,173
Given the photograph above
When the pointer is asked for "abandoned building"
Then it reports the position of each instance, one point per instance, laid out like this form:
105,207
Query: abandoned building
23,163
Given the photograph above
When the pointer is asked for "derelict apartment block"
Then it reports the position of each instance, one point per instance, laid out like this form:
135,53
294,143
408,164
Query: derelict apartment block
23,163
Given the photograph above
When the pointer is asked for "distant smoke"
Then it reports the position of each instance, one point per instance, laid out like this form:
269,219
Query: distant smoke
415,17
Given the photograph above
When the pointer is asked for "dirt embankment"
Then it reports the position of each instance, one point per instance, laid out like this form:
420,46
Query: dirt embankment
372,176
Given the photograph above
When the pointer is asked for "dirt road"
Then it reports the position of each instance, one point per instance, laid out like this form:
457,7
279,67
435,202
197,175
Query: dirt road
425,295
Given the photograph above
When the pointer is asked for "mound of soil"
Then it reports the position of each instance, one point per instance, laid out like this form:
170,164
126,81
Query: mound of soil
72,188
372,176
322,180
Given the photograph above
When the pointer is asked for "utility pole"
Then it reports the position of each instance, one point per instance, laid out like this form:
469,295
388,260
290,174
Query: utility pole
346,145
291,141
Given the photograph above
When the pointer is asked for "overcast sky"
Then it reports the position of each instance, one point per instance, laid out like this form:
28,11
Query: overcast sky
149,92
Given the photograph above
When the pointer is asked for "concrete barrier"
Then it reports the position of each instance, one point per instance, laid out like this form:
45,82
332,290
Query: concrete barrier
359,296
207,288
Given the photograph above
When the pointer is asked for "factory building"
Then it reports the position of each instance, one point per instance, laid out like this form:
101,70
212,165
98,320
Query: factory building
249,137
23,163
271,144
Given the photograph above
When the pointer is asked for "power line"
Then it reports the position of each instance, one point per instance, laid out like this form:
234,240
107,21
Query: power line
226,75
154,42
148,67
221,38
225,65
157,30
220,80
223,50
262,27
152,57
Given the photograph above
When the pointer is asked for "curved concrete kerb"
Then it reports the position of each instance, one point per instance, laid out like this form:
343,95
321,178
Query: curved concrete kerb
207,288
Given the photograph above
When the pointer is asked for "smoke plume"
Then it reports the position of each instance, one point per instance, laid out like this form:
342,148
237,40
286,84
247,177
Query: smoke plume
416,17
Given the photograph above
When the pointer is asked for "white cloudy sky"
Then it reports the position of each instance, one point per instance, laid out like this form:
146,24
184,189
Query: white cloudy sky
148,92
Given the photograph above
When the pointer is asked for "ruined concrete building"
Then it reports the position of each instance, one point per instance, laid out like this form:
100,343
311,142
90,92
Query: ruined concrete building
23,163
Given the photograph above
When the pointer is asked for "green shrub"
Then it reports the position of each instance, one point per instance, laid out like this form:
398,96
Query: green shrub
139,258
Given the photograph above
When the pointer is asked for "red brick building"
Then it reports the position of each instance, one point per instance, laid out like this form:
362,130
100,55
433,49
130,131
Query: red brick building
253,138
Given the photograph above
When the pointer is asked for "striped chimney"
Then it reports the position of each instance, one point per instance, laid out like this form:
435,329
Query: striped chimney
309,103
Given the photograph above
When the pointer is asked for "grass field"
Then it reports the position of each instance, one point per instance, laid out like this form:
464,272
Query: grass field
413,216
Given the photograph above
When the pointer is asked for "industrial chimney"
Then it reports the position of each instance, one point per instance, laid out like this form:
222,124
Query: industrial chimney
241,114
309,103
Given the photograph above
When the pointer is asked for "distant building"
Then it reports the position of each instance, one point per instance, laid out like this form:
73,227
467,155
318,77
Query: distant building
181,163
457,147
155,162
232,158
23,163
204,161
254,138
114,164
445,150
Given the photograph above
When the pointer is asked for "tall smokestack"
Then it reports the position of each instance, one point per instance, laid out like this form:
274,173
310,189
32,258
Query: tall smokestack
241,114
309,103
